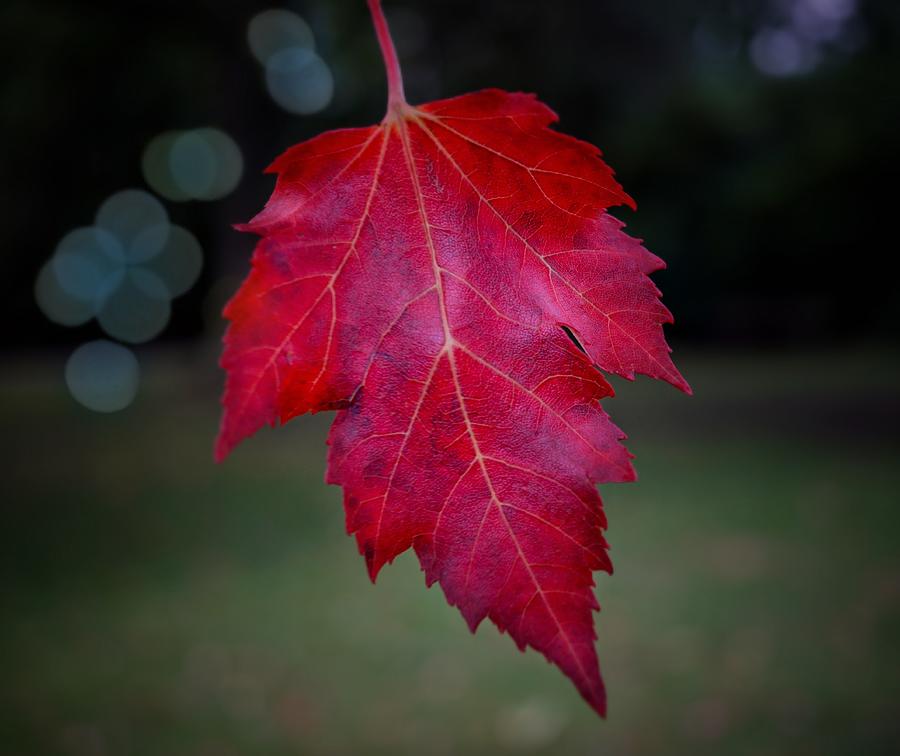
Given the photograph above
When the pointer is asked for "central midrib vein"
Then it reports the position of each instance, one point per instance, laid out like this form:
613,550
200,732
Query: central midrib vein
448,351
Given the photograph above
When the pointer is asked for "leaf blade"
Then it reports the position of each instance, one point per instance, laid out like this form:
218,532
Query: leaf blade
469,424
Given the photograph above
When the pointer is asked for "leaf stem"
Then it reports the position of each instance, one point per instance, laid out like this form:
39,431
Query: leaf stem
396,98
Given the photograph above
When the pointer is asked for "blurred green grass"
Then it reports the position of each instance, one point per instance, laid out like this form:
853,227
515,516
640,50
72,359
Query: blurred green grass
153,602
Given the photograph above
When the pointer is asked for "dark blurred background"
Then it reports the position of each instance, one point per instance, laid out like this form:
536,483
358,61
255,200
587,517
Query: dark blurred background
153,602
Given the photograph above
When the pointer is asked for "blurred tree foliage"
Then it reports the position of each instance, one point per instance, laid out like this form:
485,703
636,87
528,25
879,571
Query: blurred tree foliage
769,197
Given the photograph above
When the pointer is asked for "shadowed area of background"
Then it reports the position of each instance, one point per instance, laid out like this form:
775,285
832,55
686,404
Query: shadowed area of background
153,602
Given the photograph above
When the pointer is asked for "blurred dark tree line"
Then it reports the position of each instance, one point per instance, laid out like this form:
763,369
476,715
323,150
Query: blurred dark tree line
766,184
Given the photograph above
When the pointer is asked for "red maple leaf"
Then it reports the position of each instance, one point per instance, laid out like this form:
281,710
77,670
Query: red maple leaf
418,276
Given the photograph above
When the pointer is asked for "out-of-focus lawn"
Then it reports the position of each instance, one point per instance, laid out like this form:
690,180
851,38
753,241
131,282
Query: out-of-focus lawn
154,603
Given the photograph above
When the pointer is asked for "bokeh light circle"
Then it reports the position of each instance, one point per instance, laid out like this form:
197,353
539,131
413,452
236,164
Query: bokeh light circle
274,30
229,163
138,220
103,376
299,80
156,166
56,303
203,164
136,310
179,263
781,53
192,162
838,10
84,258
